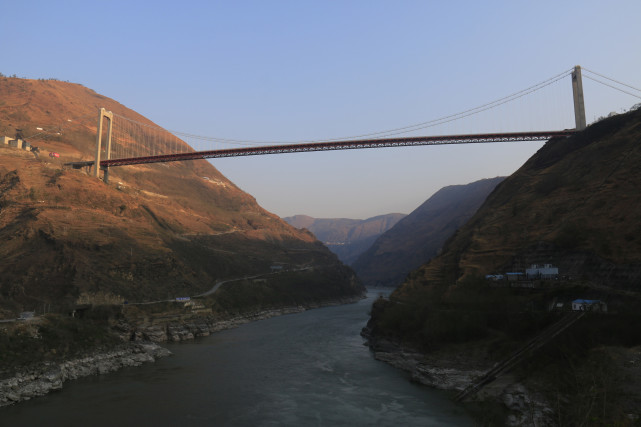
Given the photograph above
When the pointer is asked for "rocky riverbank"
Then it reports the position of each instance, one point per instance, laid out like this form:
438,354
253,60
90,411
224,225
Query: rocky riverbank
41,379
180,328
454,368
139,345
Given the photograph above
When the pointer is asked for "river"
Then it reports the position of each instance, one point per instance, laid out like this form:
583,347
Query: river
307,369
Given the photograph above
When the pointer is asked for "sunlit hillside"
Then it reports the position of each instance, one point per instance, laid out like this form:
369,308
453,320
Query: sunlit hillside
155,231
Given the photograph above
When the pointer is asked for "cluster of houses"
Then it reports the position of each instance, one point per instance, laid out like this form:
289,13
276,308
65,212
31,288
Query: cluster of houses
16,143
546,272
589,305
593,305
535,272
22,144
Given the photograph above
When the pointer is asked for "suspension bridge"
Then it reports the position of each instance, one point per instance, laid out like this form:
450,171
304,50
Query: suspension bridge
128,142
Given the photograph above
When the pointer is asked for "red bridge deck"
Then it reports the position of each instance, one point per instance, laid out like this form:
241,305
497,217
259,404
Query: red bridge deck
337,145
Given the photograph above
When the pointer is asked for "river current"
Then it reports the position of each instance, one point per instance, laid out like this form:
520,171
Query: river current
307,369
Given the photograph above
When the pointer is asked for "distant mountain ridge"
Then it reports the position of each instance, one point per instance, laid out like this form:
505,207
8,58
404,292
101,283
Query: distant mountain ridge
418,237
347,238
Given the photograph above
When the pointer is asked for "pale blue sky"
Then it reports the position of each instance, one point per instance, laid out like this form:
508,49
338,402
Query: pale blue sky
289,70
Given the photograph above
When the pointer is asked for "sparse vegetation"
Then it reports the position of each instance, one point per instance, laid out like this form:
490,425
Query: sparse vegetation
577,367
573,202
571,236
57,173
285,289
33,194
53,337
167,234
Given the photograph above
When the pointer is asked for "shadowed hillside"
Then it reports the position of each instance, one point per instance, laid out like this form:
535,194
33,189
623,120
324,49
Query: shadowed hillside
418,237
575,204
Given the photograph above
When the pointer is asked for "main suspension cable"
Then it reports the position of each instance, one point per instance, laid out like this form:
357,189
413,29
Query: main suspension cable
616,81
385,133
613,87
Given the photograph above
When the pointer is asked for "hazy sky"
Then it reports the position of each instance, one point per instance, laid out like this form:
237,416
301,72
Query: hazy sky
307,70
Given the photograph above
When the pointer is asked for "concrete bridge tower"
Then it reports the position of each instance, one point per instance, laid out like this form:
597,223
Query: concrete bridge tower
579,105
109,115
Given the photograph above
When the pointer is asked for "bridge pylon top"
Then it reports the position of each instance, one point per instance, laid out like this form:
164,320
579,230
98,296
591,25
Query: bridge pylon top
579,103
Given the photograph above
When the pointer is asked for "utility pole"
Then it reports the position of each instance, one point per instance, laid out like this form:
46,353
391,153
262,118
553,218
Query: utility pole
579,104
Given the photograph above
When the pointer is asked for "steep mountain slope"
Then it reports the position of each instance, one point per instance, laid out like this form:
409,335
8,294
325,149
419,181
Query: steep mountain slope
575,203
418,237
347,238
155,232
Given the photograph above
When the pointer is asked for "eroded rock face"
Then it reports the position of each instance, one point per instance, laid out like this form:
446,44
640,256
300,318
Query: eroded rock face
154,334
525,408
49,377
440,377
187,329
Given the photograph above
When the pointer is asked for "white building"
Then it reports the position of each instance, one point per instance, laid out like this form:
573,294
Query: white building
589,305
542,271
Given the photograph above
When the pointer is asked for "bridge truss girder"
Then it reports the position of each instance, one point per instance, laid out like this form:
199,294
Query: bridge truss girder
343,145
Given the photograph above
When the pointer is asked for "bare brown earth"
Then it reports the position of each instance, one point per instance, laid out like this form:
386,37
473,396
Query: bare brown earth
155,232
